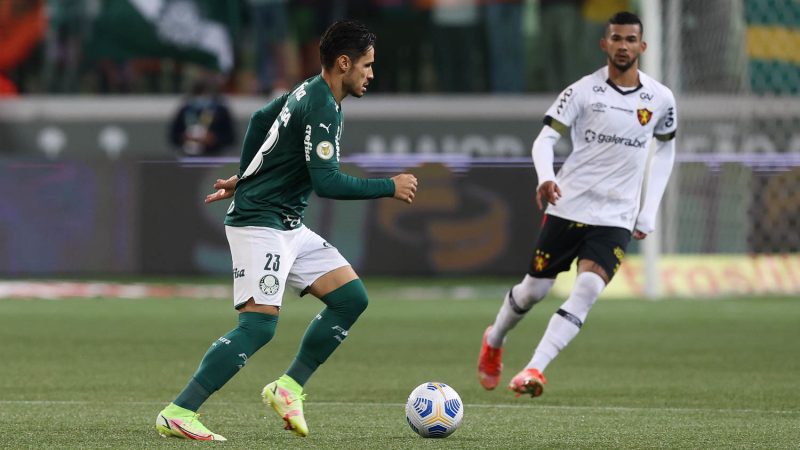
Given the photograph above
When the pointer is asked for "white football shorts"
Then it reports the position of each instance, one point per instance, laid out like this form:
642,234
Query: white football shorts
266,260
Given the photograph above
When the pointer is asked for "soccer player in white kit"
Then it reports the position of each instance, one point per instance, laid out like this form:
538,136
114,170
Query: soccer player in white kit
593,203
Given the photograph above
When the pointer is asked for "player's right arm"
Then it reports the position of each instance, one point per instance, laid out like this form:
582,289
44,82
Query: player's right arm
257,131
560,116
543,154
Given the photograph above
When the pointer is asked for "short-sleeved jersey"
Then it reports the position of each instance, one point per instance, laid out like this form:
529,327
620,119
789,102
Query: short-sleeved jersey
601,180
294,134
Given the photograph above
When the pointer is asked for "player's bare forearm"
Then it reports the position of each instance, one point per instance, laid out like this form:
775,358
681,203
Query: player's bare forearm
405,187
224,189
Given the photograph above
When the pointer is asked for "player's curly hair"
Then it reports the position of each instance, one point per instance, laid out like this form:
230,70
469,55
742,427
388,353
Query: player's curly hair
344,37
625,18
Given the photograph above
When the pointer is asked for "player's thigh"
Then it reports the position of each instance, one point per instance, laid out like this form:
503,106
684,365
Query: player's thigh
319,267
604,248
556,248
262,259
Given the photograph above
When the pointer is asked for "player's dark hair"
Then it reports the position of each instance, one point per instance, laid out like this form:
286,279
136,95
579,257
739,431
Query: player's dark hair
345,37
625,18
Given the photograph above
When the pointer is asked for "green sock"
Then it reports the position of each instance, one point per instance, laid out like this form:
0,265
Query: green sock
192,396
226,356
327,331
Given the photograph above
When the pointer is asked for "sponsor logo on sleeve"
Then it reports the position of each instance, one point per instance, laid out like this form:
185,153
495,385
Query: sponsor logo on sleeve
562,102
307,143
325,150
670,118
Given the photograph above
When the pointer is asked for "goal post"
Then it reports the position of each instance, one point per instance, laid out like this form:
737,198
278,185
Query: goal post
652,64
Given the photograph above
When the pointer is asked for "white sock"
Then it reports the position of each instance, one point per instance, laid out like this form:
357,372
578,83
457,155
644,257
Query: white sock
567,321
517,302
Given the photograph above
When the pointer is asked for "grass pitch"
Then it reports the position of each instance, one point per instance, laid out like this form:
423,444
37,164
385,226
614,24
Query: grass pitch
93,373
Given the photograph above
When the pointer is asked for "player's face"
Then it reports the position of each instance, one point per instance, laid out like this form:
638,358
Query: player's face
360,74
623,44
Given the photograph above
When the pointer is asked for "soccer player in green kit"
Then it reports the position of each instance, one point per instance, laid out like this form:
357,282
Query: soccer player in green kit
291,149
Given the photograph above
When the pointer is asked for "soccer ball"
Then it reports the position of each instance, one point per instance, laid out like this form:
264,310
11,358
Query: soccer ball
434,410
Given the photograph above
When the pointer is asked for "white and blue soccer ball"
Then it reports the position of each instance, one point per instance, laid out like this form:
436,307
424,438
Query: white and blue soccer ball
434,410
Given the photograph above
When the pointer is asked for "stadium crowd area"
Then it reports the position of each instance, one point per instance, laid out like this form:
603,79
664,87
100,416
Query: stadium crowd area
88,47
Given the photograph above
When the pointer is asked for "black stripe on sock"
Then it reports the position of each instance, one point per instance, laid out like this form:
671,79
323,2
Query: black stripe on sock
513,304
570,317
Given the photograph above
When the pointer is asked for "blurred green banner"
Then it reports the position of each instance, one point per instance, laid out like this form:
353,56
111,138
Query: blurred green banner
197,31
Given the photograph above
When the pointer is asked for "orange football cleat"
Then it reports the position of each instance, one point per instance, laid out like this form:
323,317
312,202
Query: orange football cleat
529,381
490,363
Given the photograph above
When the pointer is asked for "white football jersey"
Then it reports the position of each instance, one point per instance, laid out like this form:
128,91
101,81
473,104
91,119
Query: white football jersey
601,180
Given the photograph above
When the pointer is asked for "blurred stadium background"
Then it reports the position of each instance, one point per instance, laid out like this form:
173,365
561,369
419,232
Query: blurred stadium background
92,86
99,205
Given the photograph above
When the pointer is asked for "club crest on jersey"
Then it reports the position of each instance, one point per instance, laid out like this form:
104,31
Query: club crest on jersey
325,150
269,284
644,115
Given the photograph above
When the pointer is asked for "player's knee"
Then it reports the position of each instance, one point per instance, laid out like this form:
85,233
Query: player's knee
530,291
359,302
258,328
588,286
349,300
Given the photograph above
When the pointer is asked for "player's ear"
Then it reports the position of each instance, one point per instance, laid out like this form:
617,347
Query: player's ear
603,44
343,61
644,46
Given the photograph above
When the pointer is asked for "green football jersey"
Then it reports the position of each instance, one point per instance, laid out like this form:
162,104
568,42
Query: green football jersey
291,148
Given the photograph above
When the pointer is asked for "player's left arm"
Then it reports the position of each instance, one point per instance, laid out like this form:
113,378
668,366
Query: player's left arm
660,170
321,142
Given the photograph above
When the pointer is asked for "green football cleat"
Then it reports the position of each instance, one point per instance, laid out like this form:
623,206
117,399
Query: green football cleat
185,424
286,397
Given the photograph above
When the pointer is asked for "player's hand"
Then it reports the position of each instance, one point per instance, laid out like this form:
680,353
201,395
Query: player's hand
225,189
405,187
549,191
638,235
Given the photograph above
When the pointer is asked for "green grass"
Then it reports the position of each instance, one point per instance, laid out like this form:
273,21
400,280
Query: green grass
93,373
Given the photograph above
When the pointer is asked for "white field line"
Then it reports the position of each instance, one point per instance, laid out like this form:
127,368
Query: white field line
400,405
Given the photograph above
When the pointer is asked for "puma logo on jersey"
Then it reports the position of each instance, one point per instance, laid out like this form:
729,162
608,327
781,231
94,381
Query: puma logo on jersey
327,127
